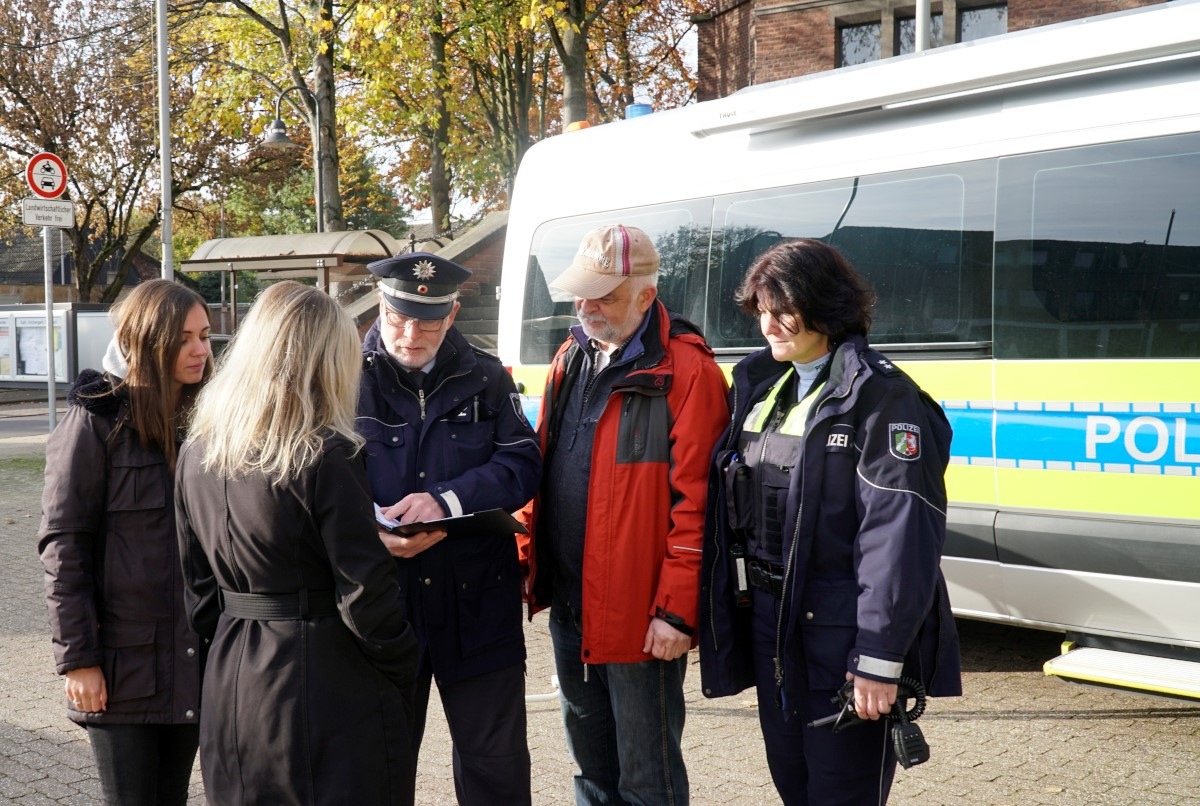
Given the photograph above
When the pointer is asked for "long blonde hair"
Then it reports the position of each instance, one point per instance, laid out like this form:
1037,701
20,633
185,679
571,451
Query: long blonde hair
288,380
149,323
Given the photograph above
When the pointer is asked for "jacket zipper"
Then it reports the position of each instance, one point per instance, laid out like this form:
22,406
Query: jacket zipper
712,622
776,419
787,567
421,393
787,572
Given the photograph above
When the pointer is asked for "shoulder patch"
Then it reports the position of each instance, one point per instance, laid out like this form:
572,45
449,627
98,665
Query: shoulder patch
885,366
515,399
904,441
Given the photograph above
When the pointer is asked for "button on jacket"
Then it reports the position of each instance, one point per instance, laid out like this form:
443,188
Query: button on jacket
468,444
114,587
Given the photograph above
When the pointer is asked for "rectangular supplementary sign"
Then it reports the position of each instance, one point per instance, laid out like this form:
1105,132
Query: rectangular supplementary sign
48,213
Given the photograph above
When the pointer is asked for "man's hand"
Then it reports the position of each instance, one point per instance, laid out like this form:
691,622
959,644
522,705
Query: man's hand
664,641
410,546
416,508
872,699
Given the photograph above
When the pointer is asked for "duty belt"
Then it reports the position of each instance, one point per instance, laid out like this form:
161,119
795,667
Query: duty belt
765,576
298,606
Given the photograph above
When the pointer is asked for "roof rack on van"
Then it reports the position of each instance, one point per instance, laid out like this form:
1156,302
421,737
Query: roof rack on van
1050,53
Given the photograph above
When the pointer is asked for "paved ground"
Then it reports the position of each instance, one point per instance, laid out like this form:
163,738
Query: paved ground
1015,738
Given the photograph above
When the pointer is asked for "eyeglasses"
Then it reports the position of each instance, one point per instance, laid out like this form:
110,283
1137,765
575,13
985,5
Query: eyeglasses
400,321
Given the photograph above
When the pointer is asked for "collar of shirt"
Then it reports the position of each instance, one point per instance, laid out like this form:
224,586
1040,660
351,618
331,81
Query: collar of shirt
630,349
806,374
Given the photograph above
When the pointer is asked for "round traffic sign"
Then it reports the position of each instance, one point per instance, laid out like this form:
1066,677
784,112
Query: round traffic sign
46,175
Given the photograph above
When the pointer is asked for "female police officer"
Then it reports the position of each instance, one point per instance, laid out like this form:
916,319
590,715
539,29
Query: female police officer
831,516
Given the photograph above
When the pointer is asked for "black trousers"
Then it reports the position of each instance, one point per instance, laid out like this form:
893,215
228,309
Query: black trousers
815,766
486,715
144,765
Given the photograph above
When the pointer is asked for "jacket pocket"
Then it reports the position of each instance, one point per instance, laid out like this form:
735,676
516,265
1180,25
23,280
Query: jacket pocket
467,444
488,595
130,661
381,435
137,482
829,627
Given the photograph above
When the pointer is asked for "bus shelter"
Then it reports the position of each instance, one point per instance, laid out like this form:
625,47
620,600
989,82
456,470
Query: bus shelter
332,259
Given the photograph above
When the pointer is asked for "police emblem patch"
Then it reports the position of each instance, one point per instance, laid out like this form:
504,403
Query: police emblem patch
424,269
905,441
515,399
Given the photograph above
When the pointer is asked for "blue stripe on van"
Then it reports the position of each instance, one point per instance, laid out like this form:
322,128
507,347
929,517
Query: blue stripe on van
1149,438
1152,438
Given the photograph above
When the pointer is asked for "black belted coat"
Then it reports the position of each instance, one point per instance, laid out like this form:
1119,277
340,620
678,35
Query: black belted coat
304,711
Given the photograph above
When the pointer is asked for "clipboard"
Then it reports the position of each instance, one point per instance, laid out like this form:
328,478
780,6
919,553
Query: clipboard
485,522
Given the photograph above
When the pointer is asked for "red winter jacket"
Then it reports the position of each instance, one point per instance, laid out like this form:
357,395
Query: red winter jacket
648,485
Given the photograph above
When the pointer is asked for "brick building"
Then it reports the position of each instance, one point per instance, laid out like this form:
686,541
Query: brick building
745,42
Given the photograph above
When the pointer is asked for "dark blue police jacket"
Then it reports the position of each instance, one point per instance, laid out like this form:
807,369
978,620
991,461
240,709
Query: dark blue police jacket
464,593
863,532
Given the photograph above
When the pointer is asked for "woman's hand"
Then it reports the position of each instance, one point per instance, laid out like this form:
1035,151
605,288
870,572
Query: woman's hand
86,689
872,699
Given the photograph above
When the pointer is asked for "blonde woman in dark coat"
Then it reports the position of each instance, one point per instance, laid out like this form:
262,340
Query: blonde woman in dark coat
107,541
309,677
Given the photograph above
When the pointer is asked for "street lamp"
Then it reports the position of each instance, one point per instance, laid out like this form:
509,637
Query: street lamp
277,138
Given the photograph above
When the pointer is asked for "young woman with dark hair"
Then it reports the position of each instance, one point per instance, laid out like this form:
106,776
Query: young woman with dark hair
107,541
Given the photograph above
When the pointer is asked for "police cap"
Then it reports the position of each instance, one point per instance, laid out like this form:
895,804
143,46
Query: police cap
420,284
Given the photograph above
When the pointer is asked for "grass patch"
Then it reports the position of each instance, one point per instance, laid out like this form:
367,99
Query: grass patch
24,465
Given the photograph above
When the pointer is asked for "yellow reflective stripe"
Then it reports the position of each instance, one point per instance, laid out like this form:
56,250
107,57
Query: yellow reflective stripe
796,420
757,419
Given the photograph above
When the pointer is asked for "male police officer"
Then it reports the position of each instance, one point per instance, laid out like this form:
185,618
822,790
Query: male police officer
446,437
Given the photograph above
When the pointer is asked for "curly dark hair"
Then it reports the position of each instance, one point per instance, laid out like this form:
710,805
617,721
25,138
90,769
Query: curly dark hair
811,280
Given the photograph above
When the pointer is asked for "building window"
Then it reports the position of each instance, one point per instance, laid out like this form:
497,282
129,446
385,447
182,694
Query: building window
976,23
906,34
858,44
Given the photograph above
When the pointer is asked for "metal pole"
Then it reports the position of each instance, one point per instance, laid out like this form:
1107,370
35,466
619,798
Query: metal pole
51,391
318,155
164,141
922,42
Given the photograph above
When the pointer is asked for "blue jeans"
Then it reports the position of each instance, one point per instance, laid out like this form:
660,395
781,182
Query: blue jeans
144,765
624,723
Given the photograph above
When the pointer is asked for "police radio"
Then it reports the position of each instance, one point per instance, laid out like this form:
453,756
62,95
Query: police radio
741,578
907,740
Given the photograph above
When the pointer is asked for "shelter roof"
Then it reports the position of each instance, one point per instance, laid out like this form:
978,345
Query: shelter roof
341,254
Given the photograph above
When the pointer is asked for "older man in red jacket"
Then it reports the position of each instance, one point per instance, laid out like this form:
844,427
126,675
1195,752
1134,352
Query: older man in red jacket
633,405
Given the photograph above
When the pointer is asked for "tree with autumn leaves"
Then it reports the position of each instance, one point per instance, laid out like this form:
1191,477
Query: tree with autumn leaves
78,80
422,103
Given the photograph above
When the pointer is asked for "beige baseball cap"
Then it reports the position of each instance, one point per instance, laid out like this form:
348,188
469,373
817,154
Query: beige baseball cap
607,257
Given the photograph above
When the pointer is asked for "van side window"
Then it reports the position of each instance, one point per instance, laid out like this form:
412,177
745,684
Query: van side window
921,238
1098,252
680,234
